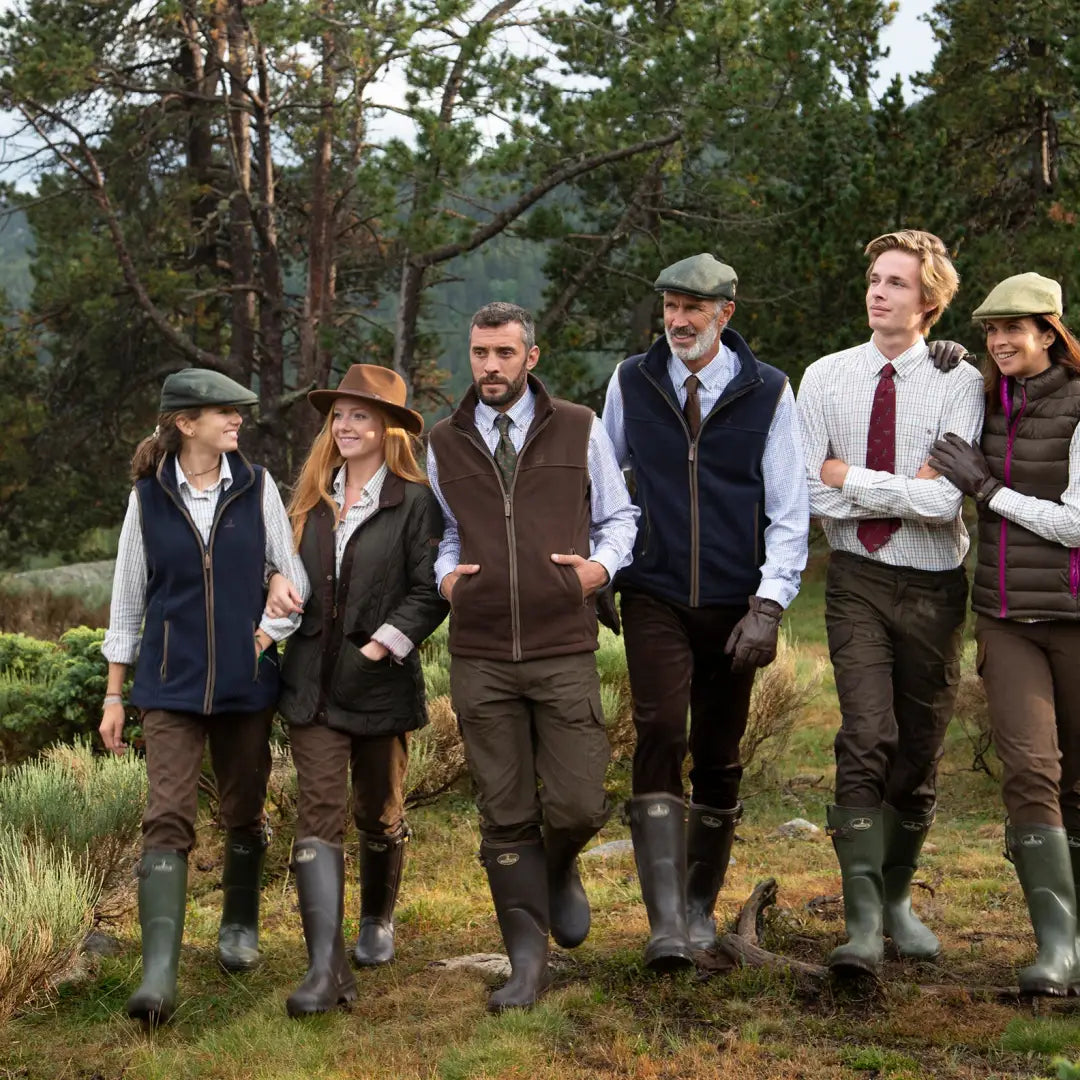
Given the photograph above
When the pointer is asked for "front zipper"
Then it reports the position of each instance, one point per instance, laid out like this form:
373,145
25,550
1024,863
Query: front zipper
165,654
1074,572
208,585
1003,531
692,467
511,535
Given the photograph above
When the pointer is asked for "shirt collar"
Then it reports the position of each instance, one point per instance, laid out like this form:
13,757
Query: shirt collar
370,491
904,363
722,368
520,413
223,481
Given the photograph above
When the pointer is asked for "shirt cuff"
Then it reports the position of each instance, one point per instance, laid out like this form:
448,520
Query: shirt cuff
608,559
279,629
858,482
120,648
443,565
389,637
775,589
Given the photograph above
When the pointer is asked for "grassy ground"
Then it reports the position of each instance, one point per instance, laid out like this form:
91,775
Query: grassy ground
606,1018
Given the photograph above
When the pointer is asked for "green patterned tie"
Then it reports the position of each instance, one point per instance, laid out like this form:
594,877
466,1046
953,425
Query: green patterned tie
505,454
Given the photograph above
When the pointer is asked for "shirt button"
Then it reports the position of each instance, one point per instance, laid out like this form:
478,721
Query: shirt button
329,577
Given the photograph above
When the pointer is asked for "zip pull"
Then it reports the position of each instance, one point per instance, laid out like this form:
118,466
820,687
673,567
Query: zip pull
693,452
333,611
506,505
206,559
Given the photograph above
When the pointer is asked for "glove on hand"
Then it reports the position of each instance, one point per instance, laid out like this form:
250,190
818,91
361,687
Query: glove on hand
606,611
947,354
964,465
753,641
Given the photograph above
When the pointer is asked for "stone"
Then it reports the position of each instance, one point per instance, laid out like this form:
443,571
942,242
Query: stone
98,943
612,847
797,829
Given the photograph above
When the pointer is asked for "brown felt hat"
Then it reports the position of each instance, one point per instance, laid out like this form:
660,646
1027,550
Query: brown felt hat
380,385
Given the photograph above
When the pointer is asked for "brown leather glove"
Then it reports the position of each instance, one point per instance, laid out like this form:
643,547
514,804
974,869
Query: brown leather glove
606,611
753,641
964,465
947,354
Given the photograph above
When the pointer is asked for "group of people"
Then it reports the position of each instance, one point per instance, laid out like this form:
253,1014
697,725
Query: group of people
522,529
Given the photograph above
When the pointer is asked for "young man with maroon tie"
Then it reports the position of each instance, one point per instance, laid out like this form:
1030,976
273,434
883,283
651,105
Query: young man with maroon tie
896,591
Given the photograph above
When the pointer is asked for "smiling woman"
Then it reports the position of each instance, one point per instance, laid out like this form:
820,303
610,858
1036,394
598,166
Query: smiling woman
1025,479
204,529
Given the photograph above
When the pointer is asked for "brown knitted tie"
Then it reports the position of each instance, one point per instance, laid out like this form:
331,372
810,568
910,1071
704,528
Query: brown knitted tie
692,408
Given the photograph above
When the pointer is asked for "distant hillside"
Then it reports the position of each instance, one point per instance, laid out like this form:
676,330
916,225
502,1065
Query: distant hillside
16,255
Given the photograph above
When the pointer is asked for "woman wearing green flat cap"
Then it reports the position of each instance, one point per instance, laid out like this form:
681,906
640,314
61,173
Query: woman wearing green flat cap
204,530
1026,482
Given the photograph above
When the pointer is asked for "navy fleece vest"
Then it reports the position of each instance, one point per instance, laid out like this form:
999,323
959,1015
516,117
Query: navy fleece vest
203,602
700,540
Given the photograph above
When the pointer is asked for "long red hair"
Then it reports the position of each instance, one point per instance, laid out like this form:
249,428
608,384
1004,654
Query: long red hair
313,484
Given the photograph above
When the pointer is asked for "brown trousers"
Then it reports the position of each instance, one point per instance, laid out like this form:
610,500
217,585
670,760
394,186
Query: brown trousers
536,720
239,754
1031,672
324,760
895,637
676,661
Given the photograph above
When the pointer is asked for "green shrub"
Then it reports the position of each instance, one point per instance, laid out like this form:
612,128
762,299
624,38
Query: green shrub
71,802
49,692
47,900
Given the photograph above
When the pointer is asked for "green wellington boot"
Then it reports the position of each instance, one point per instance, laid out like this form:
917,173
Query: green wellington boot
162,898
709,836
517,876
381,861
1040,854
1074,855
659,835
241,883
567,903
858,837
904,837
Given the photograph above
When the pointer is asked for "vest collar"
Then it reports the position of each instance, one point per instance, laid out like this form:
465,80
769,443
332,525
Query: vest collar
243,475
1046,382
655,363
464,416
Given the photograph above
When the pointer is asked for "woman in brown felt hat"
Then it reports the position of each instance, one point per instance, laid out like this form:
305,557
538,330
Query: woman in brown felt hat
1025,479
367,527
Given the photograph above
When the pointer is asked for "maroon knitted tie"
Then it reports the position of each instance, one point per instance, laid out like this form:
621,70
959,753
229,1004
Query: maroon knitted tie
881,454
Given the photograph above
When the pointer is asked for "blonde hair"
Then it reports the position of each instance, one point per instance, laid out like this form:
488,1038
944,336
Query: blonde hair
166,439
936,272
313,484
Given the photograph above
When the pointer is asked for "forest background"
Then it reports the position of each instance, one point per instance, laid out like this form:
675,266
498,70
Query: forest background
214,182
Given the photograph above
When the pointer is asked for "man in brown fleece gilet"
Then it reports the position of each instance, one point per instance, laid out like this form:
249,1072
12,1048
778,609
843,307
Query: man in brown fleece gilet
537,520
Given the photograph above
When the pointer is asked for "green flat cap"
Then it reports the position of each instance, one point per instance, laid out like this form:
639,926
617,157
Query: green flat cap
700,275
195,387
1021,294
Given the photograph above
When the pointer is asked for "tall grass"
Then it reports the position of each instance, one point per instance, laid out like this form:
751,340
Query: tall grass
70,801
47,900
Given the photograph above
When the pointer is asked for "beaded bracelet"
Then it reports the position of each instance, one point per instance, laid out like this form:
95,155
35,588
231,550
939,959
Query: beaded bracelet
114,699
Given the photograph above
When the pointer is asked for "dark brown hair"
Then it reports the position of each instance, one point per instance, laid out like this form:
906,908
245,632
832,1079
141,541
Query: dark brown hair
166,439
1064,350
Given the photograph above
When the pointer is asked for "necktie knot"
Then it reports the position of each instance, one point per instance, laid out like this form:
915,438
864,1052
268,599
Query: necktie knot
888,371
503,422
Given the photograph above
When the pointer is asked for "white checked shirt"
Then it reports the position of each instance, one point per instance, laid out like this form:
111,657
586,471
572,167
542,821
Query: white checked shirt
128,604
613,525
835,400
786,500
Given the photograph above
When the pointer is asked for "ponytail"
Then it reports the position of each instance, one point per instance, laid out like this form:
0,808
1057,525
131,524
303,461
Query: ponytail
166,439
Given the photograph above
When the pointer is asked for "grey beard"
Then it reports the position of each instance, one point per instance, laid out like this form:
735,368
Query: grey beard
702,343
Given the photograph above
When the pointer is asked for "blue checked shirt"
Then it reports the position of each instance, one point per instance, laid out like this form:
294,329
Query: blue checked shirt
614,516
787,500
